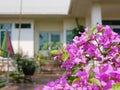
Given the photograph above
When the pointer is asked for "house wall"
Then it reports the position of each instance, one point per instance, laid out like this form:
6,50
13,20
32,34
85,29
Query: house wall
69,24
26,36
26,39
46,25
29,38
52,25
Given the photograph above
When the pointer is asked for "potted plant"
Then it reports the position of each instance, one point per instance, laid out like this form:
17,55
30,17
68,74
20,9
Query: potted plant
25,64
28,66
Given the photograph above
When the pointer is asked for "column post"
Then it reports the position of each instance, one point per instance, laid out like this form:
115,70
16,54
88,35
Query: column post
96,14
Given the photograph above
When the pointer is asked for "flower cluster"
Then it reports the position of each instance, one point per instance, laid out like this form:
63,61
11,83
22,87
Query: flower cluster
92,61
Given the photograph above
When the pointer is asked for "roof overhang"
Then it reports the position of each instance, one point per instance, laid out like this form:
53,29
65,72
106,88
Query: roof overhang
81,8
35,7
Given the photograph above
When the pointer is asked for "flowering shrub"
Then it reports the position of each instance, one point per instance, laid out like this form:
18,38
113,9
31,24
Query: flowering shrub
92,62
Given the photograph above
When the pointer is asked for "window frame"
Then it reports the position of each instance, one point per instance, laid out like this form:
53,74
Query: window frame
49,37
22,24
66,36
114,24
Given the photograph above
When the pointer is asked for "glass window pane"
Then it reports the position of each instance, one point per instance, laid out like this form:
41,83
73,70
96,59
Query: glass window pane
69,36
43,37
55,37
6,26
117,30
111,22
23,25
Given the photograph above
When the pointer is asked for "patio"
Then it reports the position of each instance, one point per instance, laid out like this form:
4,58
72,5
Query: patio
39,80
48,72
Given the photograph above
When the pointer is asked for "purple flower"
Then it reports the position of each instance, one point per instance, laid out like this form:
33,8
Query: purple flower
37,88
81,73
99,27
108,85
103,49
45,87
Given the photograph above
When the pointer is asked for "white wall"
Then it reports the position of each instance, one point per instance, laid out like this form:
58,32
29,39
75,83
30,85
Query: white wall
29,40
48,25
27,36
26,40
51,25
69,24
96,14
88,20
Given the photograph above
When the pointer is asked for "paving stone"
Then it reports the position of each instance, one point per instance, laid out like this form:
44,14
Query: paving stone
38,81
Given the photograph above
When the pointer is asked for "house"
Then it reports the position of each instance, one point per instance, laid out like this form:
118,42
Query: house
52,20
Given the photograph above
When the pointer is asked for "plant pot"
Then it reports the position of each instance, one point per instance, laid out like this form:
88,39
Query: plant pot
28,67
28,71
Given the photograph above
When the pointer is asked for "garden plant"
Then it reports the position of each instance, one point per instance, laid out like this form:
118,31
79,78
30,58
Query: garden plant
92,61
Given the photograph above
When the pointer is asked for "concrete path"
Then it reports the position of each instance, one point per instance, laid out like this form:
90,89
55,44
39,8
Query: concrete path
39,80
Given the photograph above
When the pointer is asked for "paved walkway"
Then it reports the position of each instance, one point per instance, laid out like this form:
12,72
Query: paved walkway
39,80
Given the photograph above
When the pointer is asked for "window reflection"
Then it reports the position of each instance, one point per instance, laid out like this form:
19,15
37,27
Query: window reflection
69,36
44,37
3,28
6,26
48,38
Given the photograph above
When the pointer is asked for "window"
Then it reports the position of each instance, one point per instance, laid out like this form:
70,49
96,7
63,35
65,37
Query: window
23,25
3,28
55,37
69,36
48,37
111,22
115,24
44,38
117,30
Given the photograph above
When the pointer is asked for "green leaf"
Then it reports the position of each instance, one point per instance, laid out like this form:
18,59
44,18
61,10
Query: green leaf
119,46
75,69
90,32
91,74
107,50
116,86
75,80
65,56
93,29
71,79
55,52
96,81
63,49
